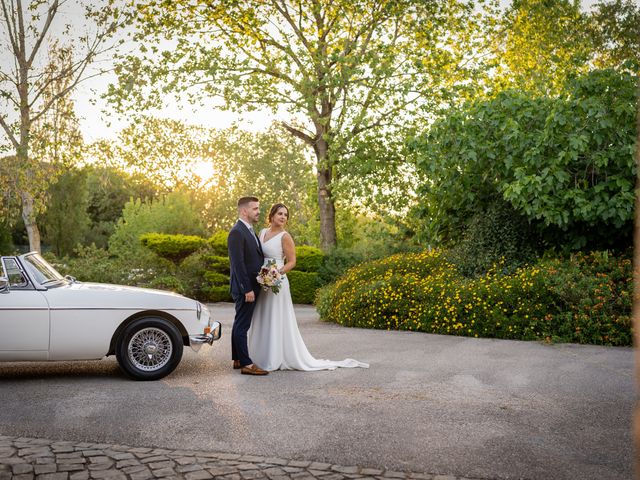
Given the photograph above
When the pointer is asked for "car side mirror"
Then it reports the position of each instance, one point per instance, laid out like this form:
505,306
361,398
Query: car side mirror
4,285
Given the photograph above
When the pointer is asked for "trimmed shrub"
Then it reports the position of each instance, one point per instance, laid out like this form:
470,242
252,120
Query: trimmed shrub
583,299
218,293
218,243
303,286
172,247
336,263
218,264
216,278
308,259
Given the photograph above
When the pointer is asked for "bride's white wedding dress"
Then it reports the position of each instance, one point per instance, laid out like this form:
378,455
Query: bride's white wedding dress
275,342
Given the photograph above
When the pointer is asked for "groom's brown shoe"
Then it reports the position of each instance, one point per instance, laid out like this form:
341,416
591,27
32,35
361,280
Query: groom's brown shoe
236,364
253,370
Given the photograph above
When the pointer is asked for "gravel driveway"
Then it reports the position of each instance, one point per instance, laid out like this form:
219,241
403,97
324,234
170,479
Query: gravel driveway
438,404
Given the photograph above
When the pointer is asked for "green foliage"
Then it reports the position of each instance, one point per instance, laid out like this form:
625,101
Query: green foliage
167,282
109,190
545,42
269,164
336,262
174,214
615,32
564,163
65,222
584,298
303,286
308,259
90,264
216,278
498,234
172,247
590,296
191,272
218,263
218,243
6,243
218,293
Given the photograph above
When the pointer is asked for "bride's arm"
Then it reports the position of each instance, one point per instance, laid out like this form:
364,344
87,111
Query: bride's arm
289,249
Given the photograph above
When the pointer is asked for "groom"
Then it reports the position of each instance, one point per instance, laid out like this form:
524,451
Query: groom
245,258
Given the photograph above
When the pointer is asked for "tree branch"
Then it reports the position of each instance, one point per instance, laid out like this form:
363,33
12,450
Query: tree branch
9,133
51,13
299,134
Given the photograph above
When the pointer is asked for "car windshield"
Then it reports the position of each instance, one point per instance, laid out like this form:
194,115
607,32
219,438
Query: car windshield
42,272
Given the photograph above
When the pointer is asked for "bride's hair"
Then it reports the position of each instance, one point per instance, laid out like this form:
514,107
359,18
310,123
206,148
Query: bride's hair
275,209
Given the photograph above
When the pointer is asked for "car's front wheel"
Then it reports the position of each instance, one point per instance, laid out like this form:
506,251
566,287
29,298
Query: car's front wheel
149,348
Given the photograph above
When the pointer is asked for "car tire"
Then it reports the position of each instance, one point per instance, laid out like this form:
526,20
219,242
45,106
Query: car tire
149,348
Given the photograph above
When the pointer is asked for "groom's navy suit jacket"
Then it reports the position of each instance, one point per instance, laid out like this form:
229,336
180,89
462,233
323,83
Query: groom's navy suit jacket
245,258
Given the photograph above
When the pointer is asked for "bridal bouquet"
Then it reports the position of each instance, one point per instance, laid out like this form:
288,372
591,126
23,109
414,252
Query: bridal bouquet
270,277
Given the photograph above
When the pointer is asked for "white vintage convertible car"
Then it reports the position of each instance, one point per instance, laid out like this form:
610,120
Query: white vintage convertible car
47,317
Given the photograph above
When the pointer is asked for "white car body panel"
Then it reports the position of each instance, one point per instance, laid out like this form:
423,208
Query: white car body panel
82,330
24,326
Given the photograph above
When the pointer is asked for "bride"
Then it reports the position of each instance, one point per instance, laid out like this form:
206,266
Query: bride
275,342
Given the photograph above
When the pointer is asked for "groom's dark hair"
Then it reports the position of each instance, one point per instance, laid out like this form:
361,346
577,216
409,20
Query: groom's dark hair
244,201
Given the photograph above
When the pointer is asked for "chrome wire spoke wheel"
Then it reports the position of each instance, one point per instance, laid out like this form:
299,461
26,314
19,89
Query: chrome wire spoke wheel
150,349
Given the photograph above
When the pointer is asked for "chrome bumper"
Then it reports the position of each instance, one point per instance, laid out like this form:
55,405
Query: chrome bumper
196,341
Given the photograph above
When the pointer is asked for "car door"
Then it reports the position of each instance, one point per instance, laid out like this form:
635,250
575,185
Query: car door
24,316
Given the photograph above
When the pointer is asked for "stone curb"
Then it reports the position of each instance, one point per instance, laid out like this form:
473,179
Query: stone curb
24,458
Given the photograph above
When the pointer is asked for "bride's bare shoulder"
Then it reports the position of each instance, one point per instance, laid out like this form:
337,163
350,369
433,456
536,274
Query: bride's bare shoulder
286,237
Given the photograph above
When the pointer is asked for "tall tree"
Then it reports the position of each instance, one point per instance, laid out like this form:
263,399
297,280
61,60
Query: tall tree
340,69
29,87
167,152
65,222
56,138
543,42
615,30
266,164
109,189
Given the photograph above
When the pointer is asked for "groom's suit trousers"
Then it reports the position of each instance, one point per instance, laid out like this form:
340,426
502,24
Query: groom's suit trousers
241,324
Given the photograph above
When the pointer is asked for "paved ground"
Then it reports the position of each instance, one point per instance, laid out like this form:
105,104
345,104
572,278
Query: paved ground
28,458
466,407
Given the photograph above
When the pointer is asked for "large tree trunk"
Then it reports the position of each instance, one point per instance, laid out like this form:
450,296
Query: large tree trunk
328,237
22,156
29,218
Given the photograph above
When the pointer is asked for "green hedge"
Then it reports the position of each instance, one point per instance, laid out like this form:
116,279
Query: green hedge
583,298
216,278
308,259
303,286
218,243
218,293
172,247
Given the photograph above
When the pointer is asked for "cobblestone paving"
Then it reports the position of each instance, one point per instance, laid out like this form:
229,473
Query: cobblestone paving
35,458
